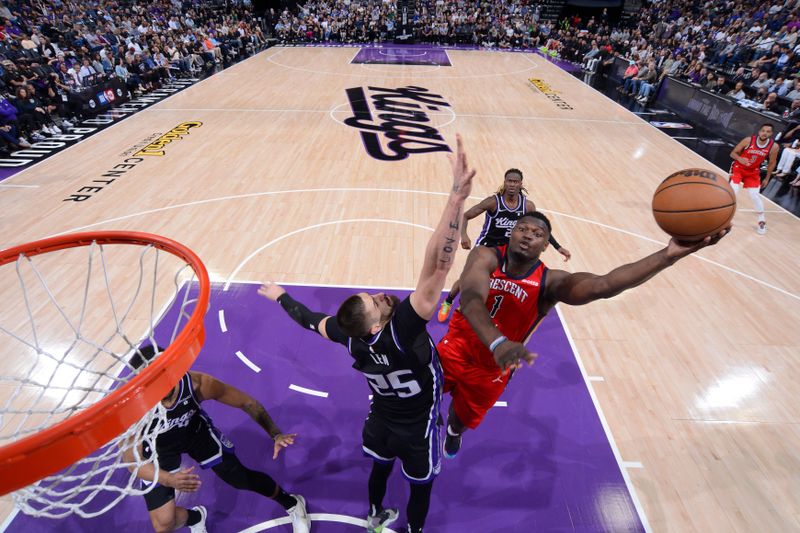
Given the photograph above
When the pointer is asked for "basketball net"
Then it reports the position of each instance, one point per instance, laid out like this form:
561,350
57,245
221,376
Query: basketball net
73,324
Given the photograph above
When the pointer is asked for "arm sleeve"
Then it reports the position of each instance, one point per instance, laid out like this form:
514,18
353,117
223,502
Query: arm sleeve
310,319
300,313
554,242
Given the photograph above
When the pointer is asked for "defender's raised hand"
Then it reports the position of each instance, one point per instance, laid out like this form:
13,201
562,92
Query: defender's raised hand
462,174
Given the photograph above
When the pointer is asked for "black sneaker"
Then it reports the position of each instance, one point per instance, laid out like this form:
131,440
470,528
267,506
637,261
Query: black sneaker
452,443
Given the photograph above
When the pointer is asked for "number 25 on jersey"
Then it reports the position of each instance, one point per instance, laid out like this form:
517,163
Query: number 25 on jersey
393,385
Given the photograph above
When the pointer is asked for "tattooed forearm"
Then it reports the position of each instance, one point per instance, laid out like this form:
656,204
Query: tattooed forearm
261,416
449,245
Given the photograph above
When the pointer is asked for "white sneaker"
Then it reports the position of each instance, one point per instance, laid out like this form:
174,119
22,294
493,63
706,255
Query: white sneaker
55,129
301,523
67,124
47,130
762,228
36,136
200,527
376,522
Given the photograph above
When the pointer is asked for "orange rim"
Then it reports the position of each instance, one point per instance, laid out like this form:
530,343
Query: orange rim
60,445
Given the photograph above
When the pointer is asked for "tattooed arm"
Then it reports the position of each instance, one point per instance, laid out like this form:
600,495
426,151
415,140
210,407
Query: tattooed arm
444,242
208,387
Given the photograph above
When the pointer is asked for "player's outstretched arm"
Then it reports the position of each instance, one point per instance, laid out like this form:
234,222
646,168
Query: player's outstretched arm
583,287
474,291
476,210
208,387
443,244
298,312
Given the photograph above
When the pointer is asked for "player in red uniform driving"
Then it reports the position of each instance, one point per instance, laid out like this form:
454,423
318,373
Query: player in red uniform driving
505,292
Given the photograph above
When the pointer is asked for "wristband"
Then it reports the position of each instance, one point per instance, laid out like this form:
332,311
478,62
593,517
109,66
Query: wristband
497,342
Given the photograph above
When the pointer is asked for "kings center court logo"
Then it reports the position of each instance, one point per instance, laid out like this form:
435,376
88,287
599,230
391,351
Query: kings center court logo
395,123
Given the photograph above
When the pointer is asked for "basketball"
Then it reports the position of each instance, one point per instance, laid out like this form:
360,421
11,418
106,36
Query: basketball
694,203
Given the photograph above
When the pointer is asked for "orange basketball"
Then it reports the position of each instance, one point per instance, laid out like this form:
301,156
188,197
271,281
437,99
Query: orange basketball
694,203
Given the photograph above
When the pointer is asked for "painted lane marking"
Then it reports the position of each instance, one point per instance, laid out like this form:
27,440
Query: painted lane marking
609,437
222,325
248,362
310,392
632,464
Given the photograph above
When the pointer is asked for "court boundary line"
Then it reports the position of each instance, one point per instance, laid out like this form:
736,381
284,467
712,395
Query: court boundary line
606,428
7,523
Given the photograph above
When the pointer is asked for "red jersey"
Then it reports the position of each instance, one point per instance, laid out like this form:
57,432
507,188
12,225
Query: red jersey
754,154
513,305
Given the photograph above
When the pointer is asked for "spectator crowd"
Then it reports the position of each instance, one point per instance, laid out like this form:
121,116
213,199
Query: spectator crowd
52,50
715,44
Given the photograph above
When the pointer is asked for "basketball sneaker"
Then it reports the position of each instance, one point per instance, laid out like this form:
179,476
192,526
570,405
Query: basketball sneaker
377,521
452,443
444,311
200,527
762,228
301,523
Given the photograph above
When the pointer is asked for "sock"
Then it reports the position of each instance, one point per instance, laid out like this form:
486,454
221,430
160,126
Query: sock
286,500
194,517
757,202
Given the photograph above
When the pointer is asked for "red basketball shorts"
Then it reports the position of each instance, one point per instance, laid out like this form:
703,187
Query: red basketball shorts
750,178
474,388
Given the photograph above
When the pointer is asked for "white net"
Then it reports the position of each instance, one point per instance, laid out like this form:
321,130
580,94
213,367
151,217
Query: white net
72,324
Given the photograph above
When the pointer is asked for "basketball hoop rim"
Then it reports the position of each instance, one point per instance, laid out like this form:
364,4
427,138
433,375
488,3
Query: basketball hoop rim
30,459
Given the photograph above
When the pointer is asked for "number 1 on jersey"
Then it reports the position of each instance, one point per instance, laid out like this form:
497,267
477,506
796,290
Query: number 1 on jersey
496,307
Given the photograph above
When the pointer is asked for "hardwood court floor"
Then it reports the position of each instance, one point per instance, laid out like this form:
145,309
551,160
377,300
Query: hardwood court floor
696,372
